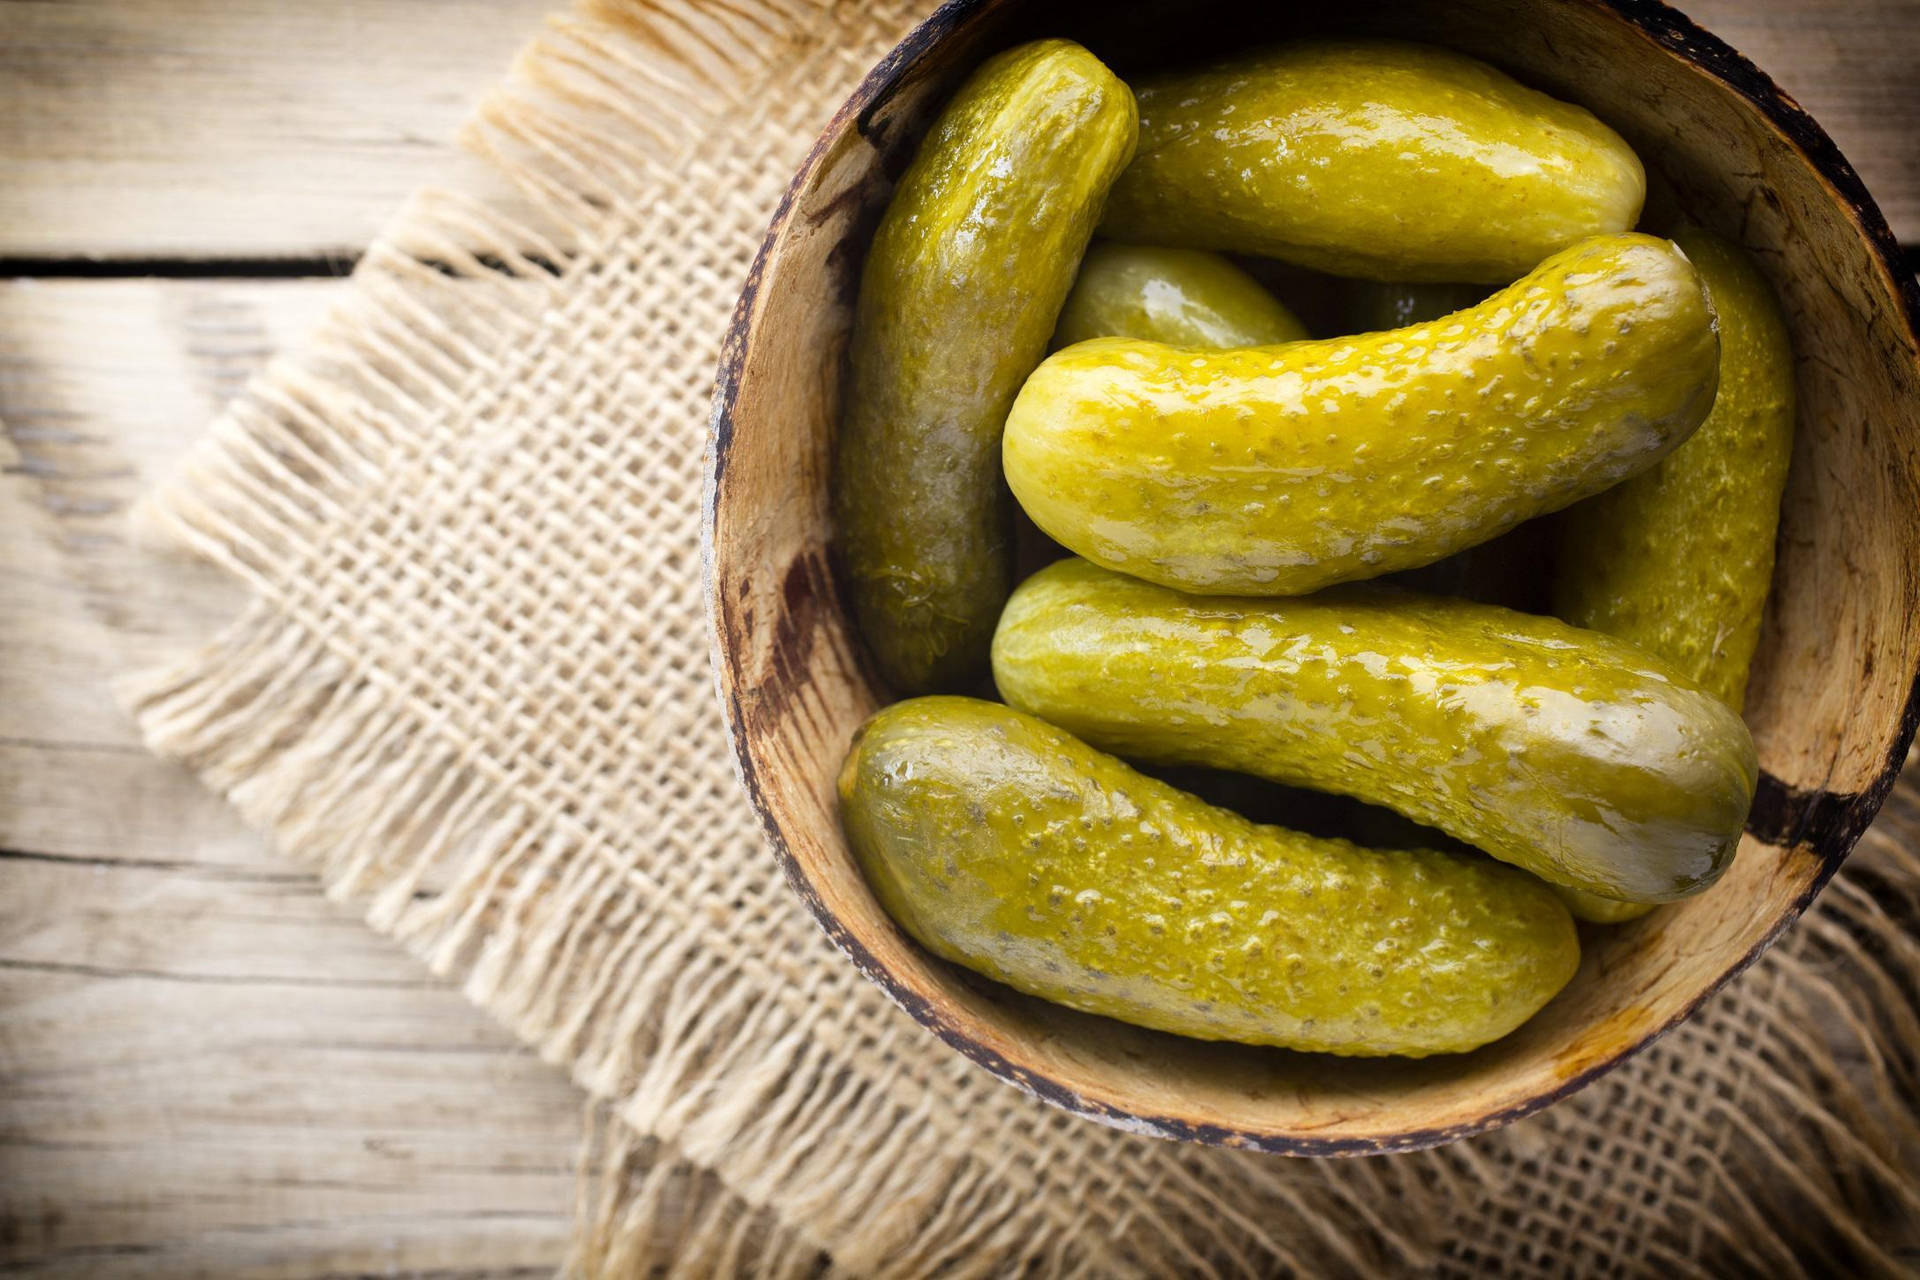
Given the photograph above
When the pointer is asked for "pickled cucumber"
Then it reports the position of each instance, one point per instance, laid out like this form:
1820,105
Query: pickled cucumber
1572,754
1679,558
1509,570
958,298
1372,306
1384,829
1003,844
1372,158
1178,296
1279,470
1595,909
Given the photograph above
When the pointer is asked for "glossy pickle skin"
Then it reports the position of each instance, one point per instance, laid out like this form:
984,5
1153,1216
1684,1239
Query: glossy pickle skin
1281,470
958,298
1182,297
1319,153
1569,753
1385,829
1003,844
1509,570
1679,559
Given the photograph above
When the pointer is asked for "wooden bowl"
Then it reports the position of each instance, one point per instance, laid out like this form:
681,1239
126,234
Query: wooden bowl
1833,701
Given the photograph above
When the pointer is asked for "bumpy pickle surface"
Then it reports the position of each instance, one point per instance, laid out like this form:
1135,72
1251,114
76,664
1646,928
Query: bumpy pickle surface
1280,470
1679,559
1183,297
1372,158
1005,845
1572,754
958,298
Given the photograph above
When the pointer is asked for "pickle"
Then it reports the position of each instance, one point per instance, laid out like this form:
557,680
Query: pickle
1569,753
1279,470
1372,158
1372,306
959,295
1178,296
1005,845
1595,909
1679,558
1508,570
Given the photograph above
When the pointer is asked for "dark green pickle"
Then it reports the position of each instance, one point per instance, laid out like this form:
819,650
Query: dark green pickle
1572,754
959,295
1003,844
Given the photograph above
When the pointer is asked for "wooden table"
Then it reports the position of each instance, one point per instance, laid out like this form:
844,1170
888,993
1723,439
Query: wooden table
204,1065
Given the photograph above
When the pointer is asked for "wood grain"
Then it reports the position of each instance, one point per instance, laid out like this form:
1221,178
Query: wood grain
205,1067
1852,64
235,128
215,129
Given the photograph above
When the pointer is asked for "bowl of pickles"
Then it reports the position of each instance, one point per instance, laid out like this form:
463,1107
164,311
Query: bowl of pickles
1314,584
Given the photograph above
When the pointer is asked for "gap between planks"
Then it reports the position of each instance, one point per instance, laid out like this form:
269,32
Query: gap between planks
202,129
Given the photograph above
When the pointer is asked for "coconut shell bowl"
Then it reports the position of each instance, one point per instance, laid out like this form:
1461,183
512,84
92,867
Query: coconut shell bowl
1832,702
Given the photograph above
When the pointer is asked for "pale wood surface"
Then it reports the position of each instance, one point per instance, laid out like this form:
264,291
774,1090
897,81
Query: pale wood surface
265,128
204,1066
234,128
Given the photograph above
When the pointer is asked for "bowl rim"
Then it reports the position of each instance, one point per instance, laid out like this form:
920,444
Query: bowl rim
1831,823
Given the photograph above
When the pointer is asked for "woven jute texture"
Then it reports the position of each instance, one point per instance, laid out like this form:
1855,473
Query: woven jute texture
472,691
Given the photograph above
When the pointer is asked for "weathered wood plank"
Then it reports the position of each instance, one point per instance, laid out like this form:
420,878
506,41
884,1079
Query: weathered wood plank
51,803
164,1126
234,128
205,1067
189,924
1852,65
103,385
237,128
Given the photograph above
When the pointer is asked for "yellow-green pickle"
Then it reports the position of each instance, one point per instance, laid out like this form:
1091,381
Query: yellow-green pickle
1375,305
1508,570
1679,558
1003,844
1183,297
1372,158
1572,754
1595,909
1280,470
958,298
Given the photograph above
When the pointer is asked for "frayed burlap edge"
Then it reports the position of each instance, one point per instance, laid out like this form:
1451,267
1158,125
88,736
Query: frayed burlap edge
1773,1135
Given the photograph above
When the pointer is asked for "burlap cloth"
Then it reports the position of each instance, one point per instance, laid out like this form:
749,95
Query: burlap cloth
472,690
